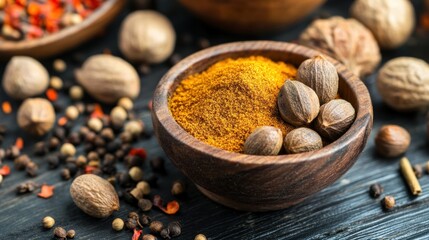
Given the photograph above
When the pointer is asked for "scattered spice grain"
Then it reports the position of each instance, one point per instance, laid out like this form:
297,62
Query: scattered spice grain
72,113
200,237
175,229
145,204
118,224
218,105
375,190
178,188
56,83
388,202
156,226
76,93
59,65
148,237
410,177
60,233
48,222
418,170
71,233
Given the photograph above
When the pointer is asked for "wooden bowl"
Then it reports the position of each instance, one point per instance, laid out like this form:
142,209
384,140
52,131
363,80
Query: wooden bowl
259,183
251,16
66,38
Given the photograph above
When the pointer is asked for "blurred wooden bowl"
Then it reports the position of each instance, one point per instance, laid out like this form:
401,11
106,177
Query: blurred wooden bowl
251,16
66,38
259,183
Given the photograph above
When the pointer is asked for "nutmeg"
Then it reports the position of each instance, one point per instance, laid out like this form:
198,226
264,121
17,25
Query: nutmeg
36,116
302,140
94,195
298,104
392,141
403,83
391,22
264,140
335,118
147,36
346,40
25,77
108,78
321,75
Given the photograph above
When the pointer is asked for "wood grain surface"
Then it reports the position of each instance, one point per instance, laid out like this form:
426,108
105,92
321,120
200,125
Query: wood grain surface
342,211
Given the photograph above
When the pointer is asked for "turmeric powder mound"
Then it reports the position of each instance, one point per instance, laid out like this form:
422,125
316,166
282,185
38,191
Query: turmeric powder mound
224,104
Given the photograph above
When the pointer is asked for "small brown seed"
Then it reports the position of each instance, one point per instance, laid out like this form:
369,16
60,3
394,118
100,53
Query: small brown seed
76,93
48,222
65,174
56,83
200,237
165,233
31,169
131,223
156,226
264,140
418,170
68,149
392,141
71,233
133,215
60,232
118,224
175,229
72,112
95,124
148,237
178,188
145,204
375,190
59,65
388,202
136,174
21,162
302,140
145,220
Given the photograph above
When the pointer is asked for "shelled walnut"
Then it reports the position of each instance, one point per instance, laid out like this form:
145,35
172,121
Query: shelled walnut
346,40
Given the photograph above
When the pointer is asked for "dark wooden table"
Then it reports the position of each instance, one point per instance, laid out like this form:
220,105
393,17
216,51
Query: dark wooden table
341,211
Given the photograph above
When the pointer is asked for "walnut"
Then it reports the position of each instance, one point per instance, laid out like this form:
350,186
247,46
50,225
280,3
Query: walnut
25,77
108,78
391,22
403,83
147,36
346,40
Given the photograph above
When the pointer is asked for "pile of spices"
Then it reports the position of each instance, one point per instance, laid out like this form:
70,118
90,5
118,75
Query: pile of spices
34,19
224,104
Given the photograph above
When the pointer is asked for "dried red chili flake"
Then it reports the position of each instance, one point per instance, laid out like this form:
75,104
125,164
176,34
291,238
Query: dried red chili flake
171,208
90,169
5,170
52,95
139,152
136,234
98,111
46,191
6,107
62,121
424,21
19,143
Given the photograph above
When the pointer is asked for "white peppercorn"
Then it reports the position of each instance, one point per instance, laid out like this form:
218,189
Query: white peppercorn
68,149
76,93
95,124
72,112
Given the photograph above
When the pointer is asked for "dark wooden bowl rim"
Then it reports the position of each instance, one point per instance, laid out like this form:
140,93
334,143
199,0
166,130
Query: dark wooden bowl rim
161,108
63,33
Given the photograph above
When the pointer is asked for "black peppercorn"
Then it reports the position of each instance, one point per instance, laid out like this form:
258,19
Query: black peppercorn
145,205
133,215
114,145
93,156
40,148
101,151
375,190
31,169
131,223
109,159
60,133
26,187
88,147
175,58
175,229
145,220
53,161
53,143
60,233
152,179
119,154
21,162
107,134
126,137
58,107
203,43
165,233
124,179
99,141
133,161
144,69
90,137
72,167
74,138
65,174
83,131
12,152
157,165
418,170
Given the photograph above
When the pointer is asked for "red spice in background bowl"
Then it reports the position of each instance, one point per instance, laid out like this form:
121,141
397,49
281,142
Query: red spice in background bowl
45,28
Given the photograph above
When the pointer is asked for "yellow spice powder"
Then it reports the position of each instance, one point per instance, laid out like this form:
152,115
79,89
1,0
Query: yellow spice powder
224,104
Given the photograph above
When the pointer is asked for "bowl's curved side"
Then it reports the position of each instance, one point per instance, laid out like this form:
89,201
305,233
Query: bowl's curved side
257,16
66,38
252,182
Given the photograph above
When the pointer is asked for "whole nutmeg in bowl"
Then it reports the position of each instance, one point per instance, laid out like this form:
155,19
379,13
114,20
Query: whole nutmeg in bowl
265,140
25,77
147,36
403,83
392,141
108,78
302,140
36,116
346,40
391,21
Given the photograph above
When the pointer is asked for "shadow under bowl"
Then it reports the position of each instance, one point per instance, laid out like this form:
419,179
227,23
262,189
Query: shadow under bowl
259,183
